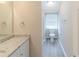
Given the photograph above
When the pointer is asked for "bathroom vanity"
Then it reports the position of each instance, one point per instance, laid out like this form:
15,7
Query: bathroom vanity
11,45
18,46
22,50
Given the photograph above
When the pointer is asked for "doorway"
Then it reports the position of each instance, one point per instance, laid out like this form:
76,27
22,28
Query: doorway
50,44
50,27
50,35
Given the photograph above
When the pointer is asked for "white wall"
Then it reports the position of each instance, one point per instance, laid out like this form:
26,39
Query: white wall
66,32
68,27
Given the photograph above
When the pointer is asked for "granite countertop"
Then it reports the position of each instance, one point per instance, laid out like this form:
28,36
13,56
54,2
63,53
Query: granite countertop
9,46
4,38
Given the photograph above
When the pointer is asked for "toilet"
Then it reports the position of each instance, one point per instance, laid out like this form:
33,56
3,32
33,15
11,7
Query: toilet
52,35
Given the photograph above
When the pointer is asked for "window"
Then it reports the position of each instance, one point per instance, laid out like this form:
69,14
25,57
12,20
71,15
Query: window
51,21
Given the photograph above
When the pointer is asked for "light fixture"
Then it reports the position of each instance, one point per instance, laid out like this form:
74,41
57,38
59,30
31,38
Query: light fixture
50,3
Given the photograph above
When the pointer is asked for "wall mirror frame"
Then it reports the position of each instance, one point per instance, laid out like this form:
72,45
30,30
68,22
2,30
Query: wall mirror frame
6,20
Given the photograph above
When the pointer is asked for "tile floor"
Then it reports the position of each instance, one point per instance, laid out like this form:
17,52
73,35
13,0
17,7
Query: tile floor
52,49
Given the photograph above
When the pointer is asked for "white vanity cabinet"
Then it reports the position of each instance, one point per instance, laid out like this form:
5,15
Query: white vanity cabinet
22,51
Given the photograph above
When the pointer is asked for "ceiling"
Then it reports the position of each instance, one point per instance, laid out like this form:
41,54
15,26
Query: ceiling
52,8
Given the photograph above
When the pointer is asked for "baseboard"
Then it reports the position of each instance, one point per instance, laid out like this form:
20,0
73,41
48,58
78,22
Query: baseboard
63,50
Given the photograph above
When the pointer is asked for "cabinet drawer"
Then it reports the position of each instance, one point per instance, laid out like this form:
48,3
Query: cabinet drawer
22,51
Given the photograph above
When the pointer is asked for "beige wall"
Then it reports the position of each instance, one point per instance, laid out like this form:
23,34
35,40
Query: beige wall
68,27
76,29
29,13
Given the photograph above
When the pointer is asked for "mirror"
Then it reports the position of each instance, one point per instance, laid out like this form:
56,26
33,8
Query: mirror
5,19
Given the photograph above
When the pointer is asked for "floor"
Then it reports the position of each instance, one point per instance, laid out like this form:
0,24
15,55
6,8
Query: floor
52,49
